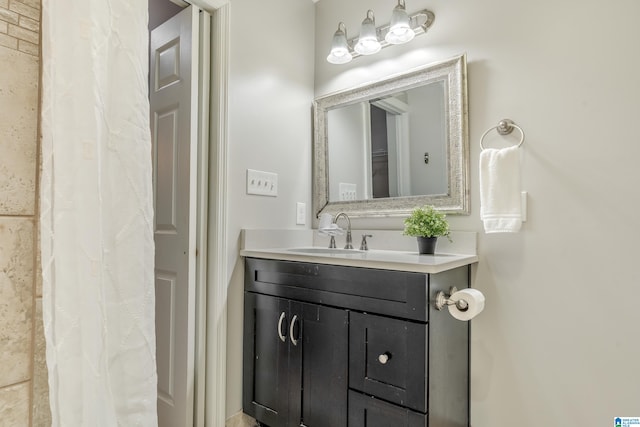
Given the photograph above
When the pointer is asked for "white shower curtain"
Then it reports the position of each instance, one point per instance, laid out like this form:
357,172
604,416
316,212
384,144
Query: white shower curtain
97,214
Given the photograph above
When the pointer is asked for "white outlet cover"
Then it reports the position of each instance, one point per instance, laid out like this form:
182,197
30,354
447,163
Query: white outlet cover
301,213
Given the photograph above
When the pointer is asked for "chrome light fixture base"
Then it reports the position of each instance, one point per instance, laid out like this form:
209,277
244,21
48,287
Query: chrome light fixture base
420,22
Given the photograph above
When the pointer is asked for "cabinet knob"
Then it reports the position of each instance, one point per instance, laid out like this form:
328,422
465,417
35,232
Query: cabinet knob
384,358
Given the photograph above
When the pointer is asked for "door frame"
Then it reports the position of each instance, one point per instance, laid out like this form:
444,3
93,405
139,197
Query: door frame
217,273
202,207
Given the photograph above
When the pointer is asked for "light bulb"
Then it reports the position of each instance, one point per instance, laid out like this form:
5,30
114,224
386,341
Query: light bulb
399,29
339,47
368,43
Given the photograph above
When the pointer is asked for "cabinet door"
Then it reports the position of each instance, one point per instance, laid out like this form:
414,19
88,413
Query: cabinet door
265,388
295,363
318,390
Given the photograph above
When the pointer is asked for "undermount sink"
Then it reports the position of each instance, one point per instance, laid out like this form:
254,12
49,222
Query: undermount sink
329,251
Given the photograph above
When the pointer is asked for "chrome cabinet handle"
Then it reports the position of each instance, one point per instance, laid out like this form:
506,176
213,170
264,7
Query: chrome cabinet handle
293,322
282,337
384,358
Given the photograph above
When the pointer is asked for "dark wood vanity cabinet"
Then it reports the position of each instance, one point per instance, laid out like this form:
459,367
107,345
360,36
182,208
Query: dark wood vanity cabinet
333,346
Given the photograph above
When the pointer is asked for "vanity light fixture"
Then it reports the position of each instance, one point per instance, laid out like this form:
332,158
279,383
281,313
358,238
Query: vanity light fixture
402,29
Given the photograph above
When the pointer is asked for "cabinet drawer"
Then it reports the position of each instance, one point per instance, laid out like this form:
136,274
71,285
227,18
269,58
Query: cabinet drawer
392,293
371,412
387,359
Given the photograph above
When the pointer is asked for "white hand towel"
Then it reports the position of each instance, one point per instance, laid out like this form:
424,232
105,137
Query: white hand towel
331,230
500,208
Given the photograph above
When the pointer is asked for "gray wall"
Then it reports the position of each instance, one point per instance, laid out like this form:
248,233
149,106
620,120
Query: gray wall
548,350
346,129
270,98
428,134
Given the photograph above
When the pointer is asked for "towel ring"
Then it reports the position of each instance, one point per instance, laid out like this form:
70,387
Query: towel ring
505,127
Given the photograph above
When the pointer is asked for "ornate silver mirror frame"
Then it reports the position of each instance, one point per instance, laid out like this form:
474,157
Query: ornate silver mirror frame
456,201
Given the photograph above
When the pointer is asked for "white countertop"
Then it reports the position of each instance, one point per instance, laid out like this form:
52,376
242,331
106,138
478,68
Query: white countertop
381,259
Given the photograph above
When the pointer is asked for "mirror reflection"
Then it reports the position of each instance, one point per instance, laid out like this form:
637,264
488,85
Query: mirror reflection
391,146
383,148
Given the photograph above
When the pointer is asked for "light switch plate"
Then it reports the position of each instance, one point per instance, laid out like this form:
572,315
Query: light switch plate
262,183
347,191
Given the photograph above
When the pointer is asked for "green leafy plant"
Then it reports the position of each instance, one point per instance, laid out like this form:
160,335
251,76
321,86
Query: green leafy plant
426,222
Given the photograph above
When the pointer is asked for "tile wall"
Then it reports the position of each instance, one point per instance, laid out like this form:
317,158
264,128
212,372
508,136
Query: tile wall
23,376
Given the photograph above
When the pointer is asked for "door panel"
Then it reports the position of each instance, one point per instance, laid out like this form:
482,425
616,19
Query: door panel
166,169
165,303
173,100
168,69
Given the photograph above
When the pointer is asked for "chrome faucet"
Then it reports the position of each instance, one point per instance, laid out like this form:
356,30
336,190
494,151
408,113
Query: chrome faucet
348,244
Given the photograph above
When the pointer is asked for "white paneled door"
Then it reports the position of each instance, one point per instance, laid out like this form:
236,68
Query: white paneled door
174,124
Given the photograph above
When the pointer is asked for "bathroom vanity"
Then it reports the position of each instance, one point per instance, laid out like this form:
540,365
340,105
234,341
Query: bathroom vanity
353,338
334,341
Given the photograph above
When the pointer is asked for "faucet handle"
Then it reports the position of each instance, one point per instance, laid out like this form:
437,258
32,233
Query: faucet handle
349,245
363,245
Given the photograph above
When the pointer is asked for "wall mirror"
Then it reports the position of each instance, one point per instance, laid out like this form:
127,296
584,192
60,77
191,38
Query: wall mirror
383,148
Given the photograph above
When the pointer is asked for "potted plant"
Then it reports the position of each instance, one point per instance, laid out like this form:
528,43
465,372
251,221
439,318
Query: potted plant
427,225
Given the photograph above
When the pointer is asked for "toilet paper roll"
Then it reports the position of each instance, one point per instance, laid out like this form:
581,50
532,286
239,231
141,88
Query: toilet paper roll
474,299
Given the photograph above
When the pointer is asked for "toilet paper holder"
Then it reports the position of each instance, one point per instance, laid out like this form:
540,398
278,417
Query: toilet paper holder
443,300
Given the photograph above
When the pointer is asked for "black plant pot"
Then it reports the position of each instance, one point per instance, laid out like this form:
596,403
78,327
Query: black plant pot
427,245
